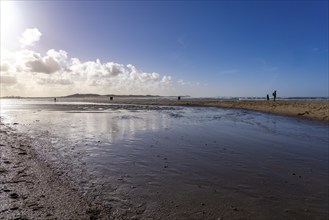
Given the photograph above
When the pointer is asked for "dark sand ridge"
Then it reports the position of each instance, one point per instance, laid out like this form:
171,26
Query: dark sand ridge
314,110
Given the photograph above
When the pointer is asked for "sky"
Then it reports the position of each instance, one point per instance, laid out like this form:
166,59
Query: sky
197,48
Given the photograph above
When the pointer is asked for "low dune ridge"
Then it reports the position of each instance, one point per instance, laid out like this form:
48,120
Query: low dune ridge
315,110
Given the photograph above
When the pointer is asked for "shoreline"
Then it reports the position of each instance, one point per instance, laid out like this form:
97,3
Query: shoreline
315,110
311,110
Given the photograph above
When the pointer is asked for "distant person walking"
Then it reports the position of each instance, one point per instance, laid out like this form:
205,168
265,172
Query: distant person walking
267,97
274,95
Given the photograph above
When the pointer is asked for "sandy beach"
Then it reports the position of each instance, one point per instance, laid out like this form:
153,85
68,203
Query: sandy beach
314,110
160,159
31,189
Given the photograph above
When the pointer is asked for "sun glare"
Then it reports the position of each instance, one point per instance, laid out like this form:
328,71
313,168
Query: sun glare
9,18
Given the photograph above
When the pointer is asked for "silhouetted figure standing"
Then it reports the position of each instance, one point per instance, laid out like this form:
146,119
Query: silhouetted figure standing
267,97
178,98
274,95
55,99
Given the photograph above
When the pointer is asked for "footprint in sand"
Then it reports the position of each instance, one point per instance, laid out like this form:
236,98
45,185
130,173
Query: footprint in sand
22,153
3,170
14,195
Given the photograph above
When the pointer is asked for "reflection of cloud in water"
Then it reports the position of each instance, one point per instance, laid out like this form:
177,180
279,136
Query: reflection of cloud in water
85,121
116,125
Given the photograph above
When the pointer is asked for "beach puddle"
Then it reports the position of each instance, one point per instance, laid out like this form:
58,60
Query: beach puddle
183,162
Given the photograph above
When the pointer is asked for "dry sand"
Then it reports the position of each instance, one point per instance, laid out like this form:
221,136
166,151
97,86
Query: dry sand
314,110
31,189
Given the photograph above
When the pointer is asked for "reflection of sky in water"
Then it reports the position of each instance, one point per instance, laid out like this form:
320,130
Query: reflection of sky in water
80,122
108,123
86,133
111,126
77,126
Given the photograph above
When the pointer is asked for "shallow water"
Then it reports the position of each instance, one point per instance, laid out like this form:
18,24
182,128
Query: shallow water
182,162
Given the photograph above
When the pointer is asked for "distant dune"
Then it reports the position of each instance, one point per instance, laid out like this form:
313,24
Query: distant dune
77,95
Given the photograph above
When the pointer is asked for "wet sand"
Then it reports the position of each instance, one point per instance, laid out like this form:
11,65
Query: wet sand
314,110
162,163
31,189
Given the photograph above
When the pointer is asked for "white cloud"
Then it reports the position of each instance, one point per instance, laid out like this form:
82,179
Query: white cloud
7,79
186,83
55,73
55,80
29,37
166,80
54,61
45,65
4,67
